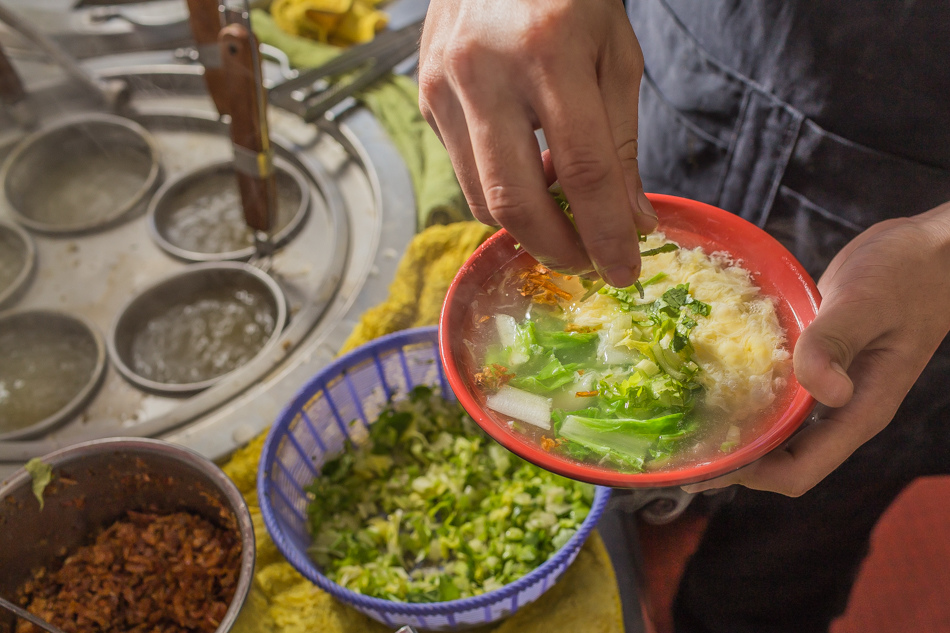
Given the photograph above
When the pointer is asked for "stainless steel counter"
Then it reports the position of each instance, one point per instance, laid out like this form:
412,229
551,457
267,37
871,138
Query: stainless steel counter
361,218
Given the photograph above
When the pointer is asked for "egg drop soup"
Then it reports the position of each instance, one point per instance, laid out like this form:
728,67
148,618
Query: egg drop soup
677,376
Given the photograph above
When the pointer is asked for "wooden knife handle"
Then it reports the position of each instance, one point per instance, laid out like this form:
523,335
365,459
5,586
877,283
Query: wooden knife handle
11,88
205,19
247,107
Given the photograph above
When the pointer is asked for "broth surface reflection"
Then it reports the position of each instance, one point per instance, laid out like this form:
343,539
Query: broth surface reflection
204,339
41,371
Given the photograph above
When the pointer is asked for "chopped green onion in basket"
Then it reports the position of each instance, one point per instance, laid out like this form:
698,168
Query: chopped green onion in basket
429,509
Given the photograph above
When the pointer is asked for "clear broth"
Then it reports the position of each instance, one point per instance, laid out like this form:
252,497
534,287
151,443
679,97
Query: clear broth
204,339
41,372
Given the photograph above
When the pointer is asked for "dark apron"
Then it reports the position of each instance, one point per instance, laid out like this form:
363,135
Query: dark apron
711,134
770,563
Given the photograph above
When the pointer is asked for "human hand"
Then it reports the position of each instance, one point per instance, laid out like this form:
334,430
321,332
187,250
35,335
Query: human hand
884,311
491,72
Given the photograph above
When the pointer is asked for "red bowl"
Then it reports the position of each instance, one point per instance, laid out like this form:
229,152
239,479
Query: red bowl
691,224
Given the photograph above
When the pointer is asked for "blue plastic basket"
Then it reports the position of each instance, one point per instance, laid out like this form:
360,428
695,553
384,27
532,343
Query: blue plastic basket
315,426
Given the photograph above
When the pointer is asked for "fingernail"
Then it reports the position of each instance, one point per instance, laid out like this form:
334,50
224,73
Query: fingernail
645,207
619,276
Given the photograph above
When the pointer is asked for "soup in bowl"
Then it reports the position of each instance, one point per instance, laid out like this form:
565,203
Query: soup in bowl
684,377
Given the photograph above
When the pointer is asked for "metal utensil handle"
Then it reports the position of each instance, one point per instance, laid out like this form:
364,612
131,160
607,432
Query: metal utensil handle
351,58
29,617
383,53
114,93
11,88
325,101
205,18
14,96
253,159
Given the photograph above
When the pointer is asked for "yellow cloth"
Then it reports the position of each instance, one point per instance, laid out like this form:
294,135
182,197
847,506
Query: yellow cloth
422,279
341,22
282,601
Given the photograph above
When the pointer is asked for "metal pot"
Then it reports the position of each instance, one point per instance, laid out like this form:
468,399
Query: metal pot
79,174
94,484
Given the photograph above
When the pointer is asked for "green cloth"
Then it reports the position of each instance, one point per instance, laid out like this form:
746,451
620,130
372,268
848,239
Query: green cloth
395,103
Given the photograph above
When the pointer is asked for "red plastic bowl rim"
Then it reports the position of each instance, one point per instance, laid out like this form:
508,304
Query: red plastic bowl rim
785,425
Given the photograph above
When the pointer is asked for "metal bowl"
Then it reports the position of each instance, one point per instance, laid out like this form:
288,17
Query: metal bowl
94,484
17,259
161,337
198,216
59,358
79,174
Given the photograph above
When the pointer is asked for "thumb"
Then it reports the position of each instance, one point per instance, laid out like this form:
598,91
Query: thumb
825,350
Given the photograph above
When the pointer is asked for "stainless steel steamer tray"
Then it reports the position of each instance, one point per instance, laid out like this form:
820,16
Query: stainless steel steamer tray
339,263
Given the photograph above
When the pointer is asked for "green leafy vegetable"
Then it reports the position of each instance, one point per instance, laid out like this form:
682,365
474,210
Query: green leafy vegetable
669,247
42,474
428,508
558,193
637,404
552,375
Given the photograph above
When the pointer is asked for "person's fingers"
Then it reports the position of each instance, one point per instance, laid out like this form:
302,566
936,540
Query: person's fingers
455,136
845,325
508,162
439,105
620,100
582,145
817,450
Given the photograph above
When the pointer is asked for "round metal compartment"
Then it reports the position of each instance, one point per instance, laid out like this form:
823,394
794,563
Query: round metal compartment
160,340
51,364
17,259
198,216
103,167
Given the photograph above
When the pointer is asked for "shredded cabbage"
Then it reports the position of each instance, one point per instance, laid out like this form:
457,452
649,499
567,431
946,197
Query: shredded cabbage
430,509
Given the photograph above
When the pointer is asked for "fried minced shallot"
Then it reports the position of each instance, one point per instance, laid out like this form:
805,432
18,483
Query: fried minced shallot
537,284
548,444
492,377
172,573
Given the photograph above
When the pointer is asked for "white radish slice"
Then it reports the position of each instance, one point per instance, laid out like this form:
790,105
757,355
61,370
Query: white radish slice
521,405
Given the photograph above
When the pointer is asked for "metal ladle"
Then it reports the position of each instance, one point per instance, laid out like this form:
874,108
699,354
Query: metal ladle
29,617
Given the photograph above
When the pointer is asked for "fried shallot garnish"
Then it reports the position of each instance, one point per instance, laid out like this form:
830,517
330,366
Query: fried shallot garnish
537,284
548,444
492,377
